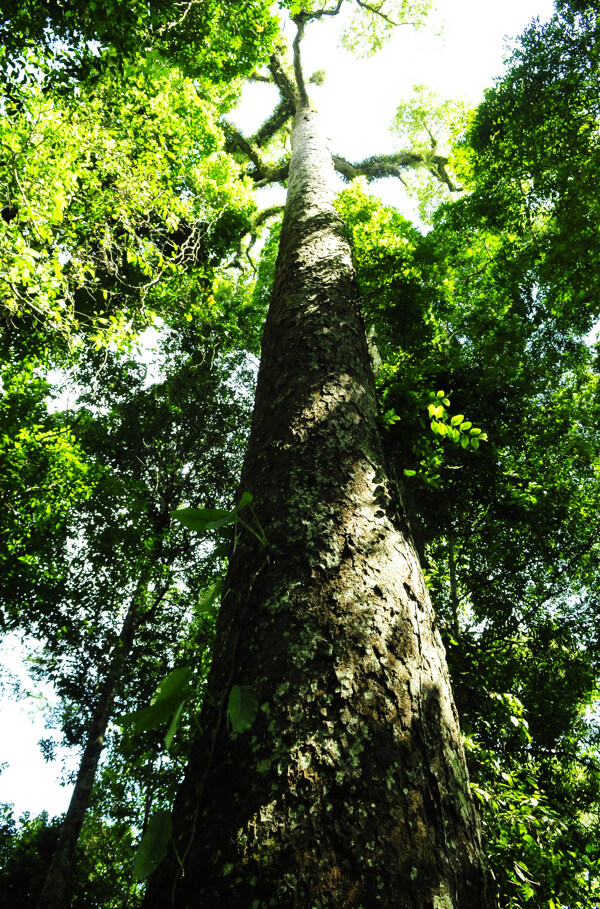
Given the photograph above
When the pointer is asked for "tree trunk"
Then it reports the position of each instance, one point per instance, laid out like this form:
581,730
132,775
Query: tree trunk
53,894
350,789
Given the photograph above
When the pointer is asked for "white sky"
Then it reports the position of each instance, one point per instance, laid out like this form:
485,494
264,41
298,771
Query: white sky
28,781
357,103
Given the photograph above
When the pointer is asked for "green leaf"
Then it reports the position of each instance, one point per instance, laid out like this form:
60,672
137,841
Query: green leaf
464,442
440,394
203,519
434,427
464,426
410,473
208,597
457,419
153,844
165,701
173,684
242,707
147,717
245,500
475,443
170,734
475,431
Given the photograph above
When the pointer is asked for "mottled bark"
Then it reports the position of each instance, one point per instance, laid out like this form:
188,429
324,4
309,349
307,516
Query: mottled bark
55,886
350,789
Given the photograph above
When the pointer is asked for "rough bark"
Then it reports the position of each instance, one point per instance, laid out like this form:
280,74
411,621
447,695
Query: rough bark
350,789
53,894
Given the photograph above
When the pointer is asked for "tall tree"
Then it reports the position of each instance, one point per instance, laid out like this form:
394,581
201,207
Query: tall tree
128,561
351,788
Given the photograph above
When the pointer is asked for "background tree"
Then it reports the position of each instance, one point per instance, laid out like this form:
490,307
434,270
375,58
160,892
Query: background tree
116,215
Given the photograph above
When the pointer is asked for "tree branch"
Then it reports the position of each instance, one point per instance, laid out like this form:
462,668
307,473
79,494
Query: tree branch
562,753
304,100
263,173
257,77
318,14
261,218
377,12
235,139
272,175
438,169
381,166
267,213
377,167
274,122
283,80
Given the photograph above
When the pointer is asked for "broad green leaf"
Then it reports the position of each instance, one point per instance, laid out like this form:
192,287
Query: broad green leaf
165,701
149,717
475,443
464,442
434,427
153,844
474,431
464,426
410,473
208,597
203,519
173,684
457,419
440,394
242,707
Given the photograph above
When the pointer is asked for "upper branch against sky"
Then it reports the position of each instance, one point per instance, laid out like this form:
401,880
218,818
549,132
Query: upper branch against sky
291,83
